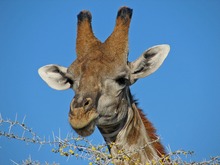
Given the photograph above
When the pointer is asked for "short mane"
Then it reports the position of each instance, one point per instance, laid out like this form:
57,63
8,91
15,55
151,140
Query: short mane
152,133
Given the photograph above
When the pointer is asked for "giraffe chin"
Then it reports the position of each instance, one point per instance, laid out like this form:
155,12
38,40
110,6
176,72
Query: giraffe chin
83,122
87,130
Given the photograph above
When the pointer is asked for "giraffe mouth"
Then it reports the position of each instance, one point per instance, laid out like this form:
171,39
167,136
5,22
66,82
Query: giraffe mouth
83,122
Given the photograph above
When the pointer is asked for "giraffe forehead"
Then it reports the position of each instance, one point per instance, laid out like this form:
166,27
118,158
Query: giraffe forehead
97,68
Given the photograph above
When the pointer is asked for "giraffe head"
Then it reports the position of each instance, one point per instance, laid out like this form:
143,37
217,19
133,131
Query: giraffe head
101,74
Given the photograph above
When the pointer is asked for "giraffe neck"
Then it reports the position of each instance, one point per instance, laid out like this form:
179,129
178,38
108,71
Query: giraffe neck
110,132
133,141
133,138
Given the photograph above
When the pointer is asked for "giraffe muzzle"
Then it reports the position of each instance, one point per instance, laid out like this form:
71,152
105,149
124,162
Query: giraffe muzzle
83,115
79,118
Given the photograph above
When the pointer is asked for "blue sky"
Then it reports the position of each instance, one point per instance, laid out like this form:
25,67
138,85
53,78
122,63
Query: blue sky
182,99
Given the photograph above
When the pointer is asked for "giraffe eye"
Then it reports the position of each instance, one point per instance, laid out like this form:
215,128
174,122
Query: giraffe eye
121,80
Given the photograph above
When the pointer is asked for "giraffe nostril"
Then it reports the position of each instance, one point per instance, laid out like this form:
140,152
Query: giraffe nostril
80,102
87,103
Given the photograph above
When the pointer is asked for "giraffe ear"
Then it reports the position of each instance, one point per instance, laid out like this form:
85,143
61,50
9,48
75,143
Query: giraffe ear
148,62
55,76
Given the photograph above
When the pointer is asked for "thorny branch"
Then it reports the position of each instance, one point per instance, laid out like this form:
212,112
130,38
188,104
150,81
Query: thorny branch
80,147
71,145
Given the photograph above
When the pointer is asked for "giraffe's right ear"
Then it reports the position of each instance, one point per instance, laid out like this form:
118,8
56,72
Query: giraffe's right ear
149,62
55,76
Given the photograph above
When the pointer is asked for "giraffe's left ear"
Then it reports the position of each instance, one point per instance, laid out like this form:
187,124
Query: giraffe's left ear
55,76
148,62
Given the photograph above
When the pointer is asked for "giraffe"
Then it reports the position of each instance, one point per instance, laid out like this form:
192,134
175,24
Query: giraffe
100,77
